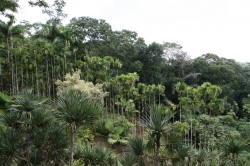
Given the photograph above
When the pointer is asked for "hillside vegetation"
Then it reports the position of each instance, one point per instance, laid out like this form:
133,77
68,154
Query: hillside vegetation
64,87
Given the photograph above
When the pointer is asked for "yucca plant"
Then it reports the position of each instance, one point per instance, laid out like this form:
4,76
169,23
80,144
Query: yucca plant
94,155
158,124
137,149
9,144
76,109
128,160
182,152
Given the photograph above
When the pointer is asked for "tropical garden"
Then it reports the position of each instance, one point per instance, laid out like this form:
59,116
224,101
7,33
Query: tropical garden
83,94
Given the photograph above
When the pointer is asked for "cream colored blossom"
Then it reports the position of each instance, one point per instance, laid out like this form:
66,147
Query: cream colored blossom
73,81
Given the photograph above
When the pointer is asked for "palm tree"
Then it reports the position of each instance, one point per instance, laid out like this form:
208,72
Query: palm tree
50,32
25,102
30,134
160,91
233,146
158,124
180,89
9,144
76,110
8,32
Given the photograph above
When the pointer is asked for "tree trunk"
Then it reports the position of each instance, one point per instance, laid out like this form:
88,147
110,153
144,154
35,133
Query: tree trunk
158,139
72,142
47,77
36,78
53,75
9,67
191,137
180,113
1,80
233,159
12,68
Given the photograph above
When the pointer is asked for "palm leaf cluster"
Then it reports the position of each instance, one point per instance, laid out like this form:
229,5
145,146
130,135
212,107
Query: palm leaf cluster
30,134
94,155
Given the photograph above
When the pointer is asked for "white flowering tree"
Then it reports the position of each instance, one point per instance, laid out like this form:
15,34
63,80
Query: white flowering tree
73,81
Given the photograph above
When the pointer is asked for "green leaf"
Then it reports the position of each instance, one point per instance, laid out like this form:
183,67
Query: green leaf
129,124
2,59
123,141
5,97
109,125
117,130
112,141
114,136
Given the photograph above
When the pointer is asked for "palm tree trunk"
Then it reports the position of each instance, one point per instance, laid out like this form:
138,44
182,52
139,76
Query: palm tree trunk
158,139
9,66
180,113
37,79
16,75
191,137
159,98
12,68
27,77
53,75
22,83
72,142
47,77
32,82
1,80
233,159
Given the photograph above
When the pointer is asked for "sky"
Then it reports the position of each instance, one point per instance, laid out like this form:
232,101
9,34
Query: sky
221,27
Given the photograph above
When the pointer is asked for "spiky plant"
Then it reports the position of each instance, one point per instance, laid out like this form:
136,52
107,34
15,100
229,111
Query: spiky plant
137,148
233,146
76,109
94,155
158,124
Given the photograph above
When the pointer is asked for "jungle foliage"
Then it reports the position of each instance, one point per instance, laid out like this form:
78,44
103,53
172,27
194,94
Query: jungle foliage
63,87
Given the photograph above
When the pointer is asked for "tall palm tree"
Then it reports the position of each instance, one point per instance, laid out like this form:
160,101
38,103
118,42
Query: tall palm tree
180,89
76,110
9,31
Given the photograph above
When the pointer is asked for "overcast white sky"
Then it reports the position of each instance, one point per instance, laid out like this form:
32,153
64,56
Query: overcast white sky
221,27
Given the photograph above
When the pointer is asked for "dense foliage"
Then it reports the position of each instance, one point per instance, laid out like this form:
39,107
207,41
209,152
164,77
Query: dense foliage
63,87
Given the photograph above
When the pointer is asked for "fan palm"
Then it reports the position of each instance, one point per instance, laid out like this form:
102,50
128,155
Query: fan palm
75,109
8,145
233,146
30,134
25,102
